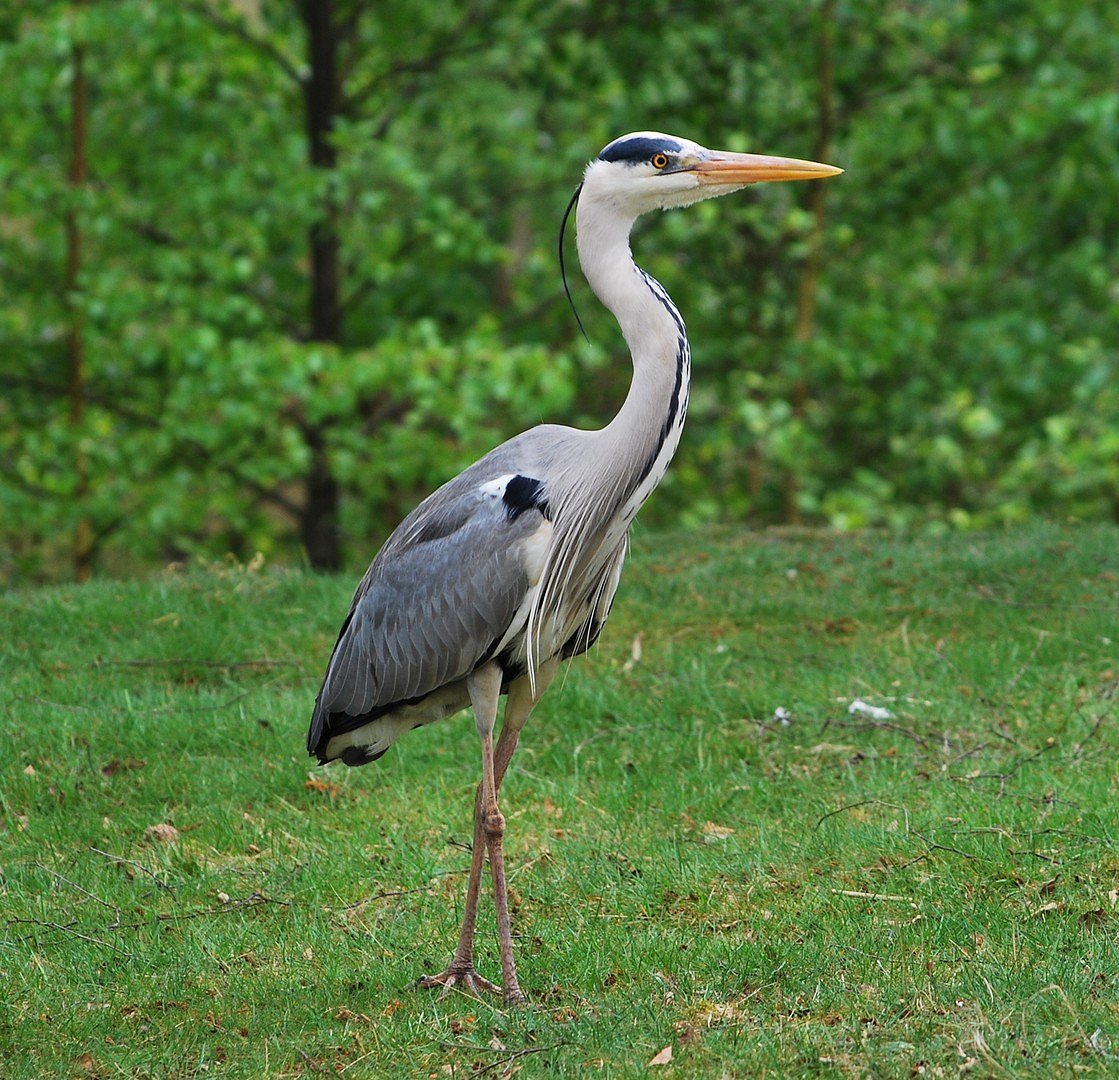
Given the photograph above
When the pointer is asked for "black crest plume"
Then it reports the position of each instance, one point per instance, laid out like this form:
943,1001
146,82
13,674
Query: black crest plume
563,268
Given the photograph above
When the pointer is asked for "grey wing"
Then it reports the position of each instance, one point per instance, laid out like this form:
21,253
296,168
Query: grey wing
437,600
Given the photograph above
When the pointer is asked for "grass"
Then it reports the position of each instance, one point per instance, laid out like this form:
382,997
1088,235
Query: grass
807,892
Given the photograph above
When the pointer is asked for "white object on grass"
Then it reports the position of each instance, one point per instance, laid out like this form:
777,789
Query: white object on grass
875,712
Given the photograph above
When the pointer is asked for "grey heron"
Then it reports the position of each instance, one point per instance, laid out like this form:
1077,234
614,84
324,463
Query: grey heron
510,568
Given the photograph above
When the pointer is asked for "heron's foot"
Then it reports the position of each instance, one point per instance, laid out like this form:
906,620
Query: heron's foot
459,978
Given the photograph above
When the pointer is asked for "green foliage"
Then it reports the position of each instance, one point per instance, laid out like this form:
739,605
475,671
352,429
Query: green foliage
817,892
960,364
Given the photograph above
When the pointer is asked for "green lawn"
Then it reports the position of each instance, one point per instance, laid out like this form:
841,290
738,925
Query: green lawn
808,892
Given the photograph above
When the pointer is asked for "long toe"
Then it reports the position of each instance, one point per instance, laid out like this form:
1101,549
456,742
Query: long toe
467,980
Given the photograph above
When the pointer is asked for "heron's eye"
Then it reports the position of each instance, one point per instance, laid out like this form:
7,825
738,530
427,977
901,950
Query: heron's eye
659,161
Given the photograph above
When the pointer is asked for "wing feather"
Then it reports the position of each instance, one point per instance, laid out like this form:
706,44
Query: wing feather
445,587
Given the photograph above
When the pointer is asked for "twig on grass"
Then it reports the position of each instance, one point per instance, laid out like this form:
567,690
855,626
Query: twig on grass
120,710
389,894
84,892
964,755
505,1056
844,809
119,859
1036,855
865,723
257,899
1007,737
858,894
47,924
1041,636
1073,834
1004,776
994,599
310,1062
350,1064
934,846
513,1055
57,704
1062,994
225,665
1078,748
864,802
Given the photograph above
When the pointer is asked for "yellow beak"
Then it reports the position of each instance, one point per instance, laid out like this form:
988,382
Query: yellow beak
726,168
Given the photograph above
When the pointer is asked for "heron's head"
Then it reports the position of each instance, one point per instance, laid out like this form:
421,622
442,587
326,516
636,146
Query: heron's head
646,170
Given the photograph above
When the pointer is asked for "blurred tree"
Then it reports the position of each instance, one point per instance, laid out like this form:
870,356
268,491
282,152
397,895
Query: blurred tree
318,269
83,538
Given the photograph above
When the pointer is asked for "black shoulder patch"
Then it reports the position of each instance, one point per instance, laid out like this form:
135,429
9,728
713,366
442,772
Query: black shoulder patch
639,148
523,493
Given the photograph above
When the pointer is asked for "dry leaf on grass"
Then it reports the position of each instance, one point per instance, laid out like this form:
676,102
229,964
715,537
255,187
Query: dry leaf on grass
161,834
663,1058
116,765
1093,918
323,787
634,654
348,1016
833,748
711,1013
1053,905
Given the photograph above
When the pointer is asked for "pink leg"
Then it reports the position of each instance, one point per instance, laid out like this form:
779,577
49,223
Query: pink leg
460,972
489,828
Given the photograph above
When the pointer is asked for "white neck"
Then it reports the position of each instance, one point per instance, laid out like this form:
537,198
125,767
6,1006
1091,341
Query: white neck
648,424
599,491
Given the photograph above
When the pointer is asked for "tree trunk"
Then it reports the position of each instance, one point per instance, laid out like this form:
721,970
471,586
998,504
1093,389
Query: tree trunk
810,272
75,338
321,98
319,519
319,527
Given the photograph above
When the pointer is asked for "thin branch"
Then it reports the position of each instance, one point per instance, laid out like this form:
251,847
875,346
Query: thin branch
1036,855
257,899
1013,769
844,809
118,859
239,29
84,892
934,846
451,44
157,235
505,1055
261,491
885,725
183,662
859,894
390,894
29,487
513,1055
1041,636
121,710
73,933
